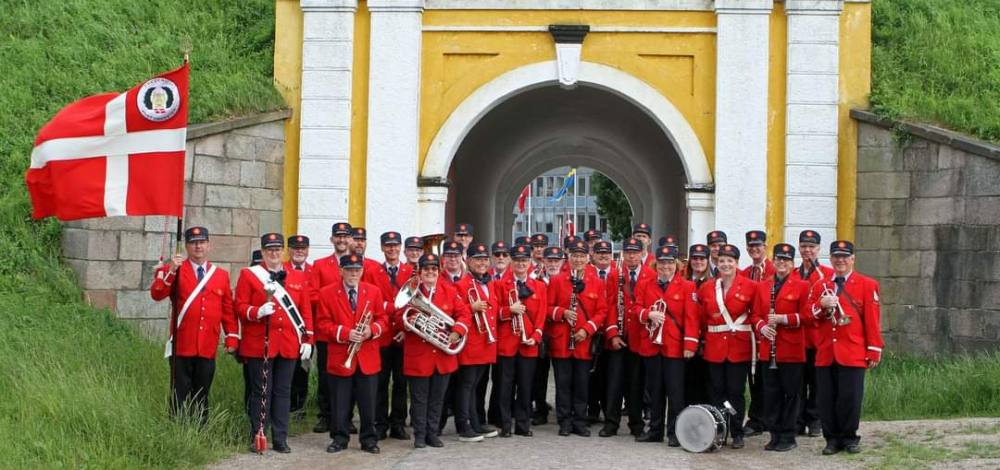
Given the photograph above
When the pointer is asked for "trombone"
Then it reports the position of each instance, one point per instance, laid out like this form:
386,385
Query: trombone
517,319
481,319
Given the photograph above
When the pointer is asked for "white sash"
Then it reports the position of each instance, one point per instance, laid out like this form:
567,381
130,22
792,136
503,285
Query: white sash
187,304
737,325
285,300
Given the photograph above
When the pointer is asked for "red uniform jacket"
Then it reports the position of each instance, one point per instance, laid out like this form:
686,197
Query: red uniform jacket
198,334
534,317
633,330
749,273
420,358
723,345
815,275
283,339
335,318
478,350
591,308
326,271
380,279
793,301
682,304
850,345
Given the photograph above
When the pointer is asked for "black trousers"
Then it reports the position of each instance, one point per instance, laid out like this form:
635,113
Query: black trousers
755,412
516,376
808,411
728,383
279,384
840,391
426,403
624,382
572,380
480,397
493,414
192,382
696,381
344,391
300,387
598,390
247,386
782,388
466,386
391,373
540,387
323,390
665,386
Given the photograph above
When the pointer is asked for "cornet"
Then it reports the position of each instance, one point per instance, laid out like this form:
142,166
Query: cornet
482,321
837,313
517,319
354,347
656,333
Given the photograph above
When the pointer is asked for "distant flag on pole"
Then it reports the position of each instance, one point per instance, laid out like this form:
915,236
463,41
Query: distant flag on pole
570,177
523,198
114,153
570,227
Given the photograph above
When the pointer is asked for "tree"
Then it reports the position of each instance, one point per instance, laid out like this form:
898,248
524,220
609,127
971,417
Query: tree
613,206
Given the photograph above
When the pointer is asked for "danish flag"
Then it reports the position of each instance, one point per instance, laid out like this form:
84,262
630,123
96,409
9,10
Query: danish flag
114,153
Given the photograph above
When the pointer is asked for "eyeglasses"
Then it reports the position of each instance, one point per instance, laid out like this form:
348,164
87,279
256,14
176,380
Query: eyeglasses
502,255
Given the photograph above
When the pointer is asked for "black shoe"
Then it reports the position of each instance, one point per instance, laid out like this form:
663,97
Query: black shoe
815,430
673,442
751,431
563,431
737,442
382,435
527,433
646,437
487,431
433,441
581,431
322,426
539,420
372,449
470,436
399,433
785,446
419,443
505,433
831,449
333,448
352,429
769,446
282,448
635,431
607,432
853,448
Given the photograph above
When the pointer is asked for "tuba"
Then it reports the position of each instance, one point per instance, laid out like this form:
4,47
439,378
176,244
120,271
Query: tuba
425,319
656,334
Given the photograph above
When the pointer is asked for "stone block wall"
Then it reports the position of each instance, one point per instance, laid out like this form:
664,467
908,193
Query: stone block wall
234,176
928,228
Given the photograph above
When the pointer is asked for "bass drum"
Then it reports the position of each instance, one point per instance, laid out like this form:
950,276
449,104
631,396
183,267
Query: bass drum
701,428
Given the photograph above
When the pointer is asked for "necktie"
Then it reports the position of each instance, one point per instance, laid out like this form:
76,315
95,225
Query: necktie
298,268
201,273
663,285
455,278
631,278
839,280
353,295
392,274
603,274
497,276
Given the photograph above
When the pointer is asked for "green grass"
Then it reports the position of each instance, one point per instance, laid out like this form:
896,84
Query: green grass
79,388
903,452
920,388
938,61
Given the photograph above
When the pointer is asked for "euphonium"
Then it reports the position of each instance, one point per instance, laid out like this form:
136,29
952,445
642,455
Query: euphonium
352,350
425,319
482,321
517,319
656,333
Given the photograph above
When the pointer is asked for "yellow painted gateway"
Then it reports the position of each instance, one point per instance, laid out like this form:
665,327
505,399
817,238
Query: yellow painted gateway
411,115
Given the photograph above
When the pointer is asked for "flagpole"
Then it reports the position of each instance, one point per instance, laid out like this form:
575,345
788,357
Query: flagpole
575,182
528,230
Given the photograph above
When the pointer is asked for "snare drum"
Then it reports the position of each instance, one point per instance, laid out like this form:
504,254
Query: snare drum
701,428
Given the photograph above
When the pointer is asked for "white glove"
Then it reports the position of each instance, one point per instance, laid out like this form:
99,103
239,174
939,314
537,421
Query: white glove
305,351
265,310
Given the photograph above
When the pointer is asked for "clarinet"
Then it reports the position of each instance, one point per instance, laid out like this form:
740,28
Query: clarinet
774,343
621,299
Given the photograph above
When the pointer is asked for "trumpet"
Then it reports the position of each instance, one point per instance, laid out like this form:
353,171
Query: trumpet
837,313
355,346
656,333
482,321
517,319
425,319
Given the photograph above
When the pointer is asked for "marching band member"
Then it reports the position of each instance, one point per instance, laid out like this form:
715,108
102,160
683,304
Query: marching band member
644,233
846,311
591,237
451,256
276,312
577,306
552,264
388,278
522,319
666,305
427,368
624,378
539,242
201,294
669,240
715,240
480,348
810,270
500,260
463,235
359,245
782,312
598,393
413,249
759,270
696,370
351,314
298,253
522,240
326,271
726,305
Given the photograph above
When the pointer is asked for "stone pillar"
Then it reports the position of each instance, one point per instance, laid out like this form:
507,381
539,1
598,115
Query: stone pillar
811,131
325,134
431,203
741,116
393,117
701,214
